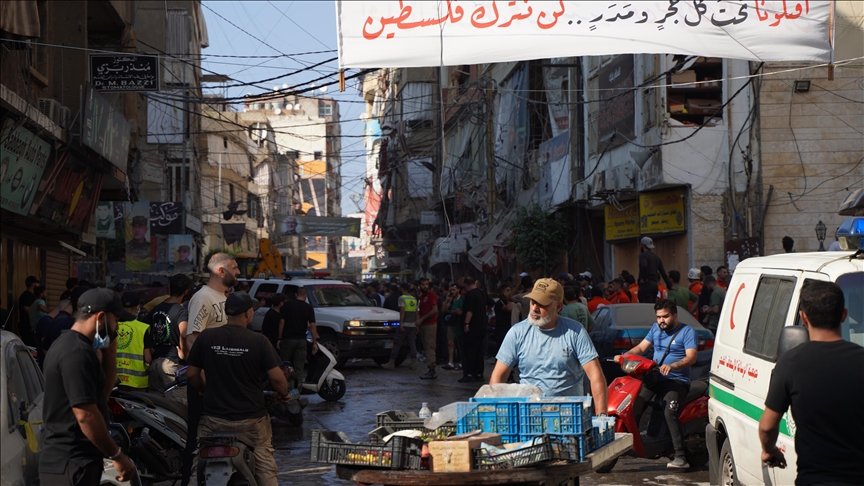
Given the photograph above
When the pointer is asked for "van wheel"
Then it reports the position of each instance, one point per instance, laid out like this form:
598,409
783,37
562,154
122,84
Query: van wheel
329,341
728,475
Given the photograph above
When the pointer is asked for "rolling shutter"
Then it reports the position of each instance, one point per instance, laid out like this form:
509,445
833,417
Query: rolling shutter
58,268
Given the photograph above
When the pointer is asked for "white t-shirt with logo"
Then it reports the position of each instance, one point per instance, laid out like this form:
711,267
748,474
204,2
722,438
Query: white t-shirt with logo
206,310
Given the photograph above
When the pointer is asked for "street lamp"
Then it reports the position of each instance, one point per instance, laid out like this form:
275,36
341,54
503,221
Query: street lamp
820,234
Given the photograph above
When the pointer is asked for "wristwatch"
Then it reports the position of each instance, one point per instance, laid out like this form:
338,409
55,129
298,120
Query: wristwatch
116,454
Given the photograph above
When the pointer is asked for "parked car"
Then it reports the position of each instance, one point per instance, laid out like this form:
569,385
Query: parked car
620,327
22,392
348,323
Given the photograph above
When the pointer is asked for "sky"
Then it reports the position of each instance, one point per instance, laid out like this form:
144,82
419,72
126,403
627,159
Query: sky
287,29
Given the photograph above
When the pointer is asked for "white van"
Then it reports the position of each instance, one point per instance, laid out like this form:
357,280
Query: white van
761,300
347,322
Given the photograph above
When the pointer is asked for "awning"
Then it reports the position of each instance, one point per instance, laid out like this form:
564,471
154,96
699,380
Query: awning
20,18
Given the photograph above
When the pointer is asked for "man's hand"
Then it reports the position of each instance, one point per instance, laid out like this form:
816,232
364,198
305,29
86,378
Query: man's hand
125,467
467,329
314,347
774,458
665,369
279,344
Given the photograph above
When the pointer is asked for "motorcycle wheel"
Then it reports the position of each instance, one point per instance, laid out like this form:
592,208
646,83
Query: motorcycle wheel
697,451
333,391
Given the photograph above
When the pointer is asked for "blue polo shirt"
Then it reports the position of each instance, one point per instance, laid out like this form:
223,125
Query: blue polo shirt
686,339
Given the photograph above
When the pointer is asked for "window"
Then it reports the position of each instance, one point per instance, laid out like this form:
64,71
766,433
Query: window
317,155
175,193
852,328
16,391
695,104
324,109
231,193
32,377
266,291
768,316
336,296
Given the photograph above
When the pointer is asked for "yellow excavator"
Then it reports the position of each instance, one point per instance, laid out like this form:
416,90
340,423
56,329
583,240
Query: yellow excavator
268,263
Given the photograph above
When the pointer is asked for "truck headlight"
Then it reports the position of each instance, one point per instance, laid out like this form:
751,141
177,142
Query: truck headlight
355,323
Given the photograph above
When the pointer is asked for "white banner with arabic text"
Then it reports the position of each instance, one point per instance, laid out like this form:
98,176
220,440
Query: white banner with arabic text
379,34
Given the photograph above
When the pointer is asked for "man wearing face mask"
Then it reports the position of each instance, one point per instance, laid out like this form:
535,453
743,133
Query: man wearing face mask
552,352
77,387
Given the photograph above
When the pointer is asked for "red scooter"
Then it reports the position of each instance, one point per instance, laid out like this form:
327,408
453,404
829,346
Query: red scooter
627,406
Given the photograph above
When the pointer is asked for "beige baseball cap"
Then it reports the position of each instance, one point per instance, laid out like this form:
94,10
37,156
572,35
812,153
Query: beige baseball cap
546,291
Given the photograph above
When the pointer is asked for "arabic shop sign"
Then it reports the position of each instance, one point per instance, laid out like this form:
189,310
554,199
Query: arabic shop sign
106,130
622,223
288,225
124,72
661,212
22,162
421,33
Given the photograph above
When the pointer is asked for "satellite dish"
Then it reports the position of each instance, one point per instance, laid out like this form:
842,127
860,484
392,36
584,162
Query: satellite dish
285,86
276,88
323,89
277,111
297,107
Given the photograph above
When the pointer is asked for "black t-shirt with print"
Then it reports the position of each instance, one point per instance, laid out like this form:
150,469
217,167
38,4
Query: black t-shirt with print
823,382
297,314
234,359
73,376
164,322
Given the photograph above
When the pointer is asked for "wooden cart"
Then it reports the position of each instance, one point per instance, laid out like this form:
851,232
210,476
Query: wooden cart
546,475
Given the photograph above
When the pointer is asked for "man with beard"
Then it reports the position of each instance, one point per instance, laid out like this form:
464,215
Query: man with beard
206,310
552,352
674,352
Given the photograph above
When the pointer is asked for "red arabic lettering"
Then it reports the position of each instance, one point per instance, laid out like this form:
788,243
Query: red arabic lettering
555,14
454,15
480,13
518,15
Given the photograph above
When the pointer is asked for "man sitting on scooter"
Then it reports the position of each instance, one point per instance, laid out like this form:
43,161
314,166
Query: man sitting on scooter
675,352
233,398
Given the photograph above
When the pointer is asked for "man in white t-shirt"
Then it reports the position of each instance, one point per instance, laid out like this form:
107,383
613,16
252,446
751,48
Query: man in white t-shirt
206,310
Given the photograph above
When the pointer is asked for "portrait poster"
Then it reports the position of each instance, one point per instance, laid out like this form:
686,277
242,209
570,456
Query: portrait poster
181,253
138,253
105,220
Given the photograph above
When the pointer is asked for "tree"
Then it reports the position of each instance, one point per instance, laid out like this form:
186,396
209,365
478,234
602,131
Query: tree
537,237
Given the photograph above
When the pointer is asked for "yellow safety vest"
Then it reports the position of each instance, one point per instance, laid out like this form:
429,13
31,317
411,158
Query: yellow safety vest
131,369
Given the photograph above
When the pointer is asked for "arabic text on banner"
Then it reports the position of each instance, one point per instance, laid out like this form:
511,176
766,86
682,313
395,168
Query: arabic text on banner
422,33
661,212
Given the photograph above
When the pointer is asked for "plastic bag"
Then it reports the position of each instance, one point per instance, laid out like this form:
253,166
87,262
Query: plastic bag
447,413
508,390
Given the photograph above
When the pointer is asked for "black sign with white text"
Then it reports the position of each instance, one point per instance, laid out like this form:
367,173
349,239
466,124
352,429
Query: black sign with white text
124,72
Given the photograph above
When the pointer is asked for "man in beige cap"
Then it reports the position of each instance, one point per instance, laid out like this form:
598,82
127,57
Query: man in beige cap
551,351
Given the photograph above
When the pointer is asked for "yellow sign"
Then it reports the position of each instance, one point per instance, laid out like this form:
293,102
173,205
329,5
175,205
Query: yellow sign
622,224
661,212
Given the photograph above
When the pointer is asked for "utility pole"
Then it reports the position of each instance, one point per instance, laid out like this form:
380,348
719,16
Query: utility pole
490,156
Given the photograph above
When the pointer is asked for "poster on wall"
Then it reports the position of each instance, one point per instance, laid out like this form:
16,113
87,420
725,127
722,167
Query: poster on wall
181,253
22,160
138,252
166,218
105,220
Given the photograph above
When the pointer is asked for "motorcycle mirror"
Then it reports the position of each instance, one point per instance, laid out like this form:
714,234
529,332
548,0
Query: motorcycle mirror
792,337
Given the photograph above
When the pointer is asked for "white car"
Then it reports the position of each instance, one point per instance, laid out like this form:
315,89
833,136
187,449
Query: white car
348,323
22,393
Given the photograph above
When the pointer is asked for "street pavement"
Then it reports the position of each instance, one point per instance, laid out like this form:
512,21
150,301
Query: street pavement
371,389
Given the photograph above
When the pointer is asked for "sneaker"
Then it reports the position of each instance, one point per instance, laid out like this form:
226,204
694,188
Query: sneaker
430,375
389,365
448,366
479,378
466,379
458,366
678,463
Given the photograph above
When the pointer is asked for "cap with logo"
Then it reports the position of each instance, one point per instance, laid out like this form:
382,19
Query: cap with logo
103,300
693,274
563,276
648,242
238,303
546,291
139,220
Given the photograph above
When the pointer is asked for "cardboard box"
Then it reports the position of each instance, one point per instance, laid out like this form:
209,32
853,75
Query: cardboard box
676,104
456,454
688,76
696,106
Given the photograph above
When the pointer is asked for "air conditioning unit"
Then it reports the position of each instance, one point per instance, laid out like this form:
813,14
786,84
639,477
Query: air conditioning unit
50,108
599,184
610,180
583,191
626,180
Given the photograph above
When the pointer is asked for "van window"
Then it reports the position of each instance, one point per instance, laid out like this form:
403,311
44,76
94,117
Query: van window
853,291
768,316
266,291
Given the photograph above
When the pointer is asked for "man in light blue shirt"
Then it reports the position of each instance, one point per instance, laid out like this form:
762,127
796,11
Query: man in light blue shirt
675,352
552,352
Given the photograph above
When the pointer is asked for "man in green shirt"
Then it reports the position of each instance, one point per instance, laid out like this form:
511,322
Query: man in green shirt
682,296
576,310
712,310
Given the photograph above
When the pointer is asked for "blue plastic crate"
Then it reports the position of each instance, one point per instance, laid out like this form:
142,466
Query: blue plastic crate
554,417
500,417
604,430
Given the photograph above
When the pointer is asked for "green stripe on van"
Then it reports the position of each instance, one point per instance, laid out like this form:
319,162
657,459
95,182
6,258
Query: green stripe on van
742,406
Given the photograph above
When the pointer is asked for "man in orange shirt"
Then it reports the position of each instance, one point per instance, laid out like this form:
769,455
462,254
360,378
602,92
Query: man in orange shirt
632,286
695,278
722,276
597,299
617,295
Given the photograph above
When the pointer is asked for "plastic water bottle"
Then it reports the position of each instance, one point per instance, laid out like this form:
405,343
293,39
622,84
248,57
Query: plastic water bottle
424,411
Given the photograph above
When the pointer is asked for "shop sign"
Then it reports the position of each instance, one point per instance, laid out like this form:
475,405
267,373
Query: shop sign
622,223
661,212
166,218
106,130
124,72
318,226
22,161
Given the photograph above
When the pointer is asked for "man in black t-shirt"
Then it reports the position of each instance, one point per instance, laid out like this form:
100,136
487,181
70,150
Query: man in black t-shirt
234,359
474,319
168,323
25,327
297,316
823,382
392,300
270,326
77,386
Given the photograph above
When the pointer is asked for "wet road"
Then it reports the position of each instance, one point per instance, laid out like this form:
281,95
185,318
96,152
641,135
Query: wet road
371,389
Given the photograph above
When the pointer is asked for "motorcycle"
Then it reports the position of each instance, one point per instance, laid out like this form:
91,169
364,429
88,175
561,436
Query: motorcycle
225,458
292,410
626,405
109,474
322,377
